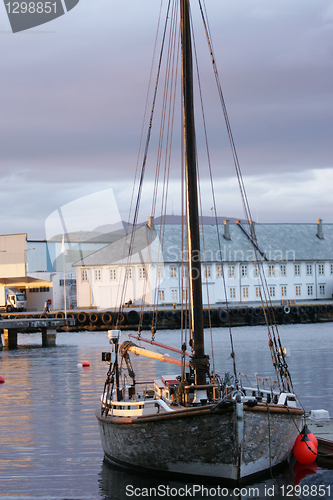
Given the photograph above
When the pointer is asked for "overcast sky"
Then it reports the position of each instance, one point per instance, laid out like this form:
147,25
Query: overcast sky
72,98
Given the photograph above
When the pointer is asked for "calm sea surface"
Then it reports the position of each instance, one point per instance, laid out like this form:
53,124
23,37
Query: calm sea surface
49,438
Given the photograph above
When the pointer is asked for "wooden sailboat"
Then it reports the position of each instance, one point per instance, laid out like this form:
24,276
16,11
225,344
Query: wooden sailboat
197,424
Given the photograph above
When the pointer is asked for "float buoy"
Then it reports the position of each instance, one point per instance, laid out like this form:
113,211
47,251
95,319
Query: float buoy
309,434
85,364
305,451
2,380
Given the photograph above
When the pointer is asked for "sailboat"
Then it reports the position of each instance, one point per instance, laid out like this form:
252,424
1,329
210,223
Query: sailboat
196,424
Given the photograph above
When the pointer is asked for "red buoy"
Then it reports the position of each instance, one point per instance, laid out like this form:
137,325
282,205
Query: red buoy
305,451
309,434
85,364
2,380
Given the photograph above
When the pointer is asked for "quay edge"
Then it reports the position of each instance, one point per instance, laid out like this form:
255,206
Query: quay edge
173,318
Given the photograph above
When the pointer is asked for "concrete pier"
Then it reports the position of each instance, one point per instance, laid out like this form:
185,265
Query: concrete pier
10,338
12,327
48,337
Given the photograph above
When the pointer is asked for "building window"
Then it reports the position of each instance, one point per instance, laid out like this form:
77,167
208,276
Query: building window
184,271
160,272
310,290
258,292
232,293
271,270
283,291
97,274
298,290
322,290
174,295
321,269
185,295
309,269
84,275
129,273
245,292
297,270
173,272
161,295
142,272
231,271
207,271
331,268
283,270
113,274
219,271
243,270
272,291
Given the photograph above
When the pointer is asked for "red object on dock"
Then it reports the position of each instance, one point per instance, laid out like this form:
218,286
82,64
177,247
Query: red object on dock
2,380
85,364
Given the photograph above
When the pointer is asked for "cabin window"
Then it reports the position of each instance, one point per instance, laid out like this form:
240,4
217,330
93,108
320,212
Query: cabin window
298,290
185,295
161,295
310,290
283,270
84,275
174,295
321,290
297,270
283,291
245,292
184,271
309,269
243,270
321,269
160,272
142,272
232,293
271,270
113,274
173,272
272,291
97,274
231,272
331,268
258,292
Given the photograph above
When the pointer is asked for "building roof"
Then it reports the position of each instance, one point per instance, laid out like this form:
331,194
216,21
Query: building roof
277,242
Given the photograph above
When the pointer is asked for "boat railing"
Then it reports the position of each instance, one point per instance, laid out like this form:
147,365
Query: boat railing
138,407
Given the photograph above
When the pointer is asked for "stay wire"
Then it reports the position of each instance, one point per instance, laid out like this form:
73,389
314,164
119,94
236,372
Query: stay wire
215,214
281,367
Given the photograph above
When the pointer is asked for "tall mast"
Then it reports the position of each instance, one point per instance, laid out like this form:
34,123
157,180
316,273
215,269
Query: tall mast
199,360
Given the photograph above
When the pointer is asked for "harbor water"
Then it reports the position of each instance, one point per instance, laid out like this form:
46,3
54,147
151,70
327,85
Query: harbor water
49,439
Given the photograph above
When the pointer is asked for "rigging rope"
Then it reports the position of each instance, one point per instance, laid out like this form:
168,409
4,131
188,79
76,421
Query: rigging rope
279,362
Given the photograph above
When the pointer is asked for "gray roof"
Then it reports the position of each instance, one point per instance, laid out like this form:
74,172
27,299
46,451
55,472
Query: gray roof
145,248
278,242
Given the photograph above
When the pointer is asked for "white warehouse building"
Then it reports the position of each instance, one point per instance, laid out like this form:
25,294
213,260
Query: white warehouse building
298,263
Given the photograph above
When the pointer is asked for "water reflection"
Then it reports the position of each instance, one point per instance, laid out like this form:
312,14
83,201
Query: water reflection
119,484
50,445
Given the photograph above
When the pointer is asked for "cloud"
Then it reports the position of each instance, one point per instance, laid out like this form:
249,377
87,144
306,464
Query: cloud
72,99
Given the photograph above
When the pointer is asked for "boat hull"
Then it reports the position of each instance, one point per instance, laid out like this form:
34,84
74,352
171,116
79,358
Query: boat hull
198,443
